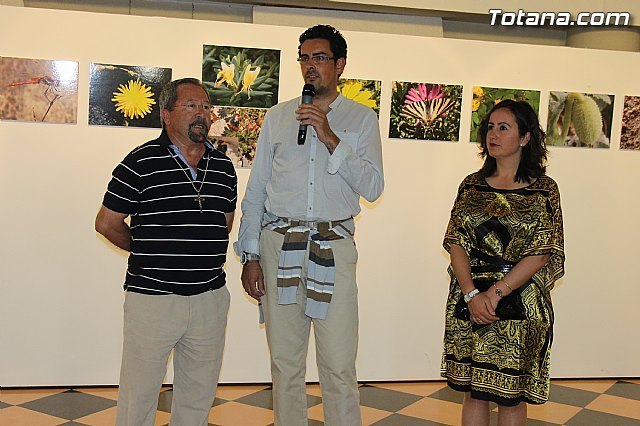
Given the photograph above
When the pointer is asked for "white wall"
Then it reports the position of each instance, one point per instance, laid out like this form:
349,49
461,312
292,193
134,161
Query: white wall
61,294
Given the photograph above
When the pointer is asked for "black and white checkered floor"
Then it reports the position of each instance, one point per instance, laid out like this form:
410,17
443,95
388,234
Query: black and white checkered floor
572,402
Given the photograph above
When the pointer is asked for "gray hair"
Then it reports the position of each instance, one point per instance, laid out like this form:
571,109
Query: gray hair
169,94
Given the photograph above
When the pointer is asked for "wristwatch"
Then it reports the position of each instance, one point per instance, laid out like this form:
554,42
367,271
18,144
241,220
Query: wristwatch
471,295
247,257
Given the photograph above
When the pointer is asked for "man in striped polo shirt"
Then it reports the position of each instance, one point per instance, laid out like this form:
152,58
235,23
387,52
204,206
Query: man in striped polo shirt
180,195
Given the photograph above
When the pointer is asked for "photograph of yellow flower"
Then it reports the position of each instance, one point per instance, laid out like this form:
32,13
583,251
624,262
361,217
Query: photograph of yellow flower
38,90
235,131
241,76
366,92
579,119
630,135
484,98
425,111
124,95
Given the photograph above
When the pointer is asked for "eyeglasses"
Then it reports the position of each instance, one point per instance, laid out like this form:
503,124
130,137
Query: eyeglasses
192,106
316,59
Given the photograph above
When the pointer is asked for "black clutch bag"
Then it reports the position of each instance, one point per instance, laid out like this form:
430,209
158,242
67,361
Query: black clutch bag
509,308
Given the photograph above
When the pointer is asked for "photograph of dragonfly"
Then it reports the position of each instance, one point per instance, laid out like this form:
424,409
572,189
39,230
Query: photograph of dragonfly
38,90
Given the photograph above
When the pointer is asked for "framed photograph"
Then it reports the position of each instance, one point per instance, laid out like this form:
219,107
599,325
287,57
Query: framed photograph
126,95
366,92
39,90
579,119
425,111
241,76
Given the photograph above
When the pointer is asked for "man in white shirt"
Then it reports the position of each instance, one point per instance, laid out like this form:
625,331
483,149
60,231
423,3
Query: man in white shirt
296,235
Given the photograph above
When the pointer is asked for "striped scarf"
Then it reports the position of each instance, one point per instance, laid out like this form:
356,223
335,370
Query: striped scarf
298,235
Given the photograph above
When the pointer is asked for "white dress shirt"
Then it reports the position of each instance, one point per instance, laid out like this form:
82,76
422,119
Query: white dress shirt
304,181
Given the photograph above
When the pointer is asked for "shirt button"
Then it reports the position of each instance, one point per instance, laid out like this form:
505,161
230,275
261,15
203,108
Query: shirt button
310,183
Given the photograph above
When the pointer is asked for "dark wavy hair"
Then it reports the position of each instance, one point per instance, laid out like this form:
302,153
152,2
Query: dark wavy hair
534,154
326,32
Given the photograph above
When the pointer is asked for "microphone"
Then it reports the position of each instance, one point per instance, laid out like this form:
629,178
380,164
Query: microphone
308,92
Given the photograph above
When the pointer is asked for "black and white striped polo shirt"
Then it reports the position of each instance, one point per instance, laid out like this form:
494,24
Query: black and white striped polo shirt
175,248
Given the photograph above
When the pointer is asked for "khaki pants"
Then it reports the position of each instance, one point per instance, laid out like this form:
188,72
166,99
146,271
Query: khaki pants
336,340
192,326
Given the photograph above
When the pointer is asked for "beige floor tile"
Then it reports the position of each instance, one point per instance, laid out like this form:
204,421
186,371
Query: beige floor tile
316,413
103,418
20,396
599,386
109,393
18,416
435,410
421,389
372,415
314,389
616,405
636,381
234,392
108,418
552,412
234,414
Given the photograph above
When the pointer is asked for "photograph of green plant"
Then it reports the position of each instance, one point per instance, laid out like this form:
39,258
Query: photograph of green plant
38,90
425,111
484,98
241,76
630,135
579,119
235,131
124,95
366,92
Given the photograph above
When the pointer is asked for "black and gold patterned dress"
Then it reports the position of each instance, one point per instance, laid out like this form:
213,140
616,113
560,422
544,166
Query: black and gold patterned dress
506,362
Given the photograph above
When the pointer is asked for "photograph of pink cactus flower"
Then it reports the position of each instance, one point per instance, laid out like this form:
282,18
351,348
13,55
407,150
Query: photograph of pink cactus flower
425,111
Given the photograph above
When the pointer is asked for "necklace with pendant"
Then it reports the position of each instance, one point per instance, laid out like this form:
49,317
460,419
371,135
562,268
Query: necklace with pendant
198,198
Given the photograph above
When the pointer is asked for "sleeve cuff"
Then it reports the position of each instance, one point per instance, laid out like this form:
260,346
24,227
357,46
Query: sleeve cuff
248,246
337,157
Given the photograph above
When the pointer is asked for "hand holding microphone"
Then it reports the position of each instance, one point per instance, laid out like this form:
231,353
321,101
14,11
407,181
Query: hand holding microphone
308,92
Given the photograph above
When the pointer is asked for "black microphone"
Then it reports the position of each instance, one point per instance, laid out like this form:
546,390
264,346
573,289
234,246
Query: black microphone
308,92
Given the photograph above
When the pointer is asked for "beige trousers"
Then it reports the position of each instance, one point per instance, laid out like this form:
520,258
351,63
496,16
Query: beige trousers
194,328
336,338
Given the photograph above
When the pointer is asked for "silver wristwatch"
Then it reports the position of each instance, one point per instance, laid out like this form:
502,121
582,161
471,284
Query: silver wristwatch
471,295
247,257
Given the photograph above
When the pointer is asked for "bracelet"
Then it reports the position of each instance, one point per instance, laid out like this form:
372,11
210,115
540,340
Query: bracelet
467,297
507,284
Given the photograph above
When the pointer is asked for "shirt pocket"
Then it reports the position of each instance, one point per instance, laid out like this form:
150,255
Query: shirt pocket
350,138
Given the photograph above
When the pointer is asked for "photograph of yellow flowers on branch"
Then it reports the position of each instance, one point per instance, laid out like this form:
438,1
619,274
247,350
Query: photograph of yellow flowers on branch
240,76
425,111
365,92
235,131
484,98
579,119
38,90
630,135
125,95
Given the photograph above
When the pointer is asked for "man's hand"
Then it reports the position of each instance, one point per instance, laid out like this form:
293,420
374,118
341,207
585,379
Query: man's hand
253,279
311,115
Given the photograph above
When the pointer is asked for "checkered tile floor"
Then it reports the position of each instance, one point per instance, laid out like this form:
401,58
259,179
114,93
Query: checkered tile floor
572,402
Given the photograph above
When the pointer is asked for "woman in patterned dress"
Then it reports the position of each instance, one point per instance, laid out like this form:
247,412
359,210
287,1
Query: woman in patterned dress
506,244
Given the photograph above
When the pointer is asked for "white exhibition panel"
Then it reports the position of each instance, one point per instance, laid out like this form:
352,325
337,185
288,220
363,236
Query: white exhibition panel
61,284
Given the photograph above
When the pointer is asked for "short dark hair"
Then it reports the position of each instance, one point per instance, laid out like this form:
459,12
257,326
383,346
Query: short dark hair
326,32
169,93
534,154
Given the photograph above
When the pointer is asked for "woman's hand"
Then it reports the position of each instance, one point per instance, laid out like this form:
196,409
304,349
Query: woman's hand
483,308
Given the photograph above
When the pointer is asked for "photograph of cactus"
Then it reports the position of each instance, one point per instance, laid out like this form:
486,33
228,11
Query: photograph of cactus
630,135
579,119
241,76
484,98
425,111
366,92
125,95
38,90
234,132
